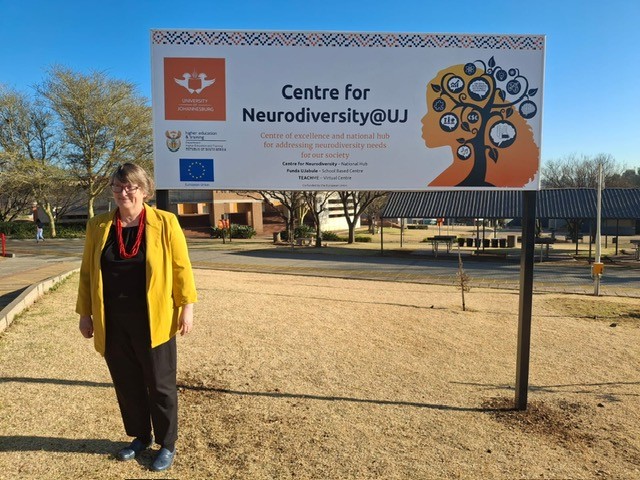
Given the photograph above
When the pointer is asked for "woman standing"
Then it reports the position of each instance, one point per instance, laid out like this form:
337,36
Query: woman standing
136,292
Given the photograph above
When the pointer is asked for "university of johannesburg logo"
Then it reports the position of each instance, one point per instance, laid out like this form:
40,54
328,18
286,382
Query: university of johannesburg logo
194,82
173,140
195,89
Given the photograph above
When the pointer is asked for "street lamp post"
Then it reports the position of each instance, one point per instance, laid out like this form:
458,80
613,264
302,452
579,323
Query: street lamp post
597,267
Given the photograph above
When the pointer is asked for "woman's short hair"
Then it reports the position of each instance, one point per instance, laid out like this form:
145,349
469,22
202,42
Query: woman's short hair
135,175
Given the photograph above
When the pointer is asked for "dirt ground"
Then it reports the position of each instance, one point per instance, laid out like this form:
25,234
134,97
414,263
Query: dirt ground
305,377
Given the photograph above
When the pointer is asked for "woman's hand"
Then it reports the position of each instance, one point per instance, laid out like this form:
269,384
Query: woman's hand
86,326
185,321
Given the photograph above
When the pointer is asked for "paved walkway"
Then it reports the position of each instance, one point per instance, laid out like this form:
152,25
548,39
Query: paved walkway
36,262
17,274
620,279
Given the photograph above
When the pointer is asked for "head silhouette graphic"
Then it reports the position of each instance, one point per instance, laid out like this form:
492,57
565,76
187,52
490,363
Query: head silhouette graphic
481,112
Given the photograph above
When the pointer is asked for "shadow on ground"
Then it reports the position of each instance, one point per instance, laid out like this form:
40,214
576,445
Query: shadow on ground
28,443
7,298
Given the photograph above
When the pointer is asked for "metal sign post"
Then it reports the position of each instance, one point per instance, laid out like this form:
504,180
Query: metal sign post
526,297
597,266
162,199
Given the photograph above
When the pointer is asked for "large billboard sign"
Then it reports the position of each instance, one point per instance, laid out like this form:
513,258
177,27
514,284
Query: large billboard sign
346,111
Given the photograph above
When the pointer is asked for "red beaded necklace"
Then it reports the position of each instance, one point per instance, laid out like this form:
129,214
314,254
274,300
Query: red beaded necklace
136,245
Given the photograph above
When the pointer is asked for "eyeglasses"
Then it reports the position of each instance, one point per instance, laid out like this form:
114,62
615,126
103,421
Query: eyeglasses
126,188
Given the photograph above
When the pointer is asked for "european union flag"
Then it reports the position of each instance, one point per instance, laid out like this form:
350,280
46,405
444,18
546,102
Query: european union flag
196,170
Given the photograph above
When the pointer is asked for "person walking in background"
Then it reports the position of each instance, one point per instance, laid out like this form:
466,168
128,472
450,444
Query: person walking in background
39,230
136,292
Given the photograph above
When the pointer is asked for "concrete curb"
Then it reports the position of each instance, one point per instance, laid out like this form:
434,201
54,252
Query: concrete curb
29,297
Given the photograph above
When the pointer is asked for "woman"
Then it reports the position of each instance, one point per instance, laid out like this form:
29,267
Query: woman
136,292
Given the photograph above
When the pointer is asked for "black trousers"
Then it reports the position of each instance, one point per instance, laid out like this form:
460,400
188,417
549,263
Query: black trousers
144,377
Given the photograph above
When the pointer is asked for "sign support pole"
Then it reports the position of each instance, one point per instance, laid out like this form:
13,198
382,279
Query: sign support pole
162,200
526,297
597,265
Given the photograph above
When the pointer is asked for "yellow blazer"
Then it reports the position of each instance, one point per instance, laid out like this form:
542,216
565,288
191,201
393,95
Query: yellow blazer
170,283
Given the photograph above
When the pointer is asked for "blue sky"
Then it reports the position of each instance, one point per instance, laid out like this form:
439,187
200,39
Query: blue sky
592,76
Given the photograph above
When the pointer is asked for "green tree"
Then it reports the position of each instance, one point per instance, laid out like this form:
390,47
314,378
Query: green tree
15,198
630,178
104,122
30,151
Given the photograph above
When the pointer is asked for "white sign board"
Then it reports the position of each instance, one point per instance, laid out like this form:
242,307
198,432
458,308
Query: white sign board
346,111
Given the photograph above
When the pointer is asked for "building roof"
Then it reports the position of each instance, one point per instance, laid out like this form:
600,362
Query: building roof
574,203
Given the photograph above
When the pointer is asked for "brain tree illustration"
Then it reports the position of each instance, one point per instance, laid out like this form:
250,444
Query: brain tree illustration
485,100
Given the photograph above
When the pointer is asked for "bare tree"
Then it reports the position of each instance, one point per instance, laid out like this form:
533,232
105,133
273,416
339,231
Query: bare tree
302,209
581,171
289,199
317,203
354,204
15,196
464,282
373,212
104,122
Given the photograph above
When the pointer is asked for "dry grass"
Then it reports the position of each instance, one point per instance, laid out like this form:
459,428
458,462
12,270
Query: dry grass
303,377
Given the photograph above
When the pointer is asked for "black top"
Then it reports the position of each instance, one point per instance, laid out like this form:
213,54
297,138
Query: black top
124,280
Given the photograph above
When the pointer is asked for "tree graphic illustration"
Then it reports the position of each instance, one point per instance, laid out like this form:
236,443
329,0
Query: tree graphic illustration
477,108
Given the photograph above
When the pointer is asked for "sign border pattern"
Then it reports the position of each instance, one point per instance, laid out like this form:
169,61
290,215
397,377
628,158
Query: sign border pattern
346,40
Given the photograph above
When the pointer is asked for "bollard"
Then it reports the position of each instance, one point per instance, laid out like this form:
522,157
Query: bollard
3,239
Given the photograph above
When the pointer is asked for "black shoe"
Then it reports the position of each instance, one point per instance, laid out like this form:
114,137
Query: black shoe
134,448
163,460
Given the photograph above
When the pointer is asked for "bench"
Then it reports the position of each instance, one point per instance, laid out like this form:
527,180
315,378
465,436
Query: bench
544,243
436,240
304,240
572,238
